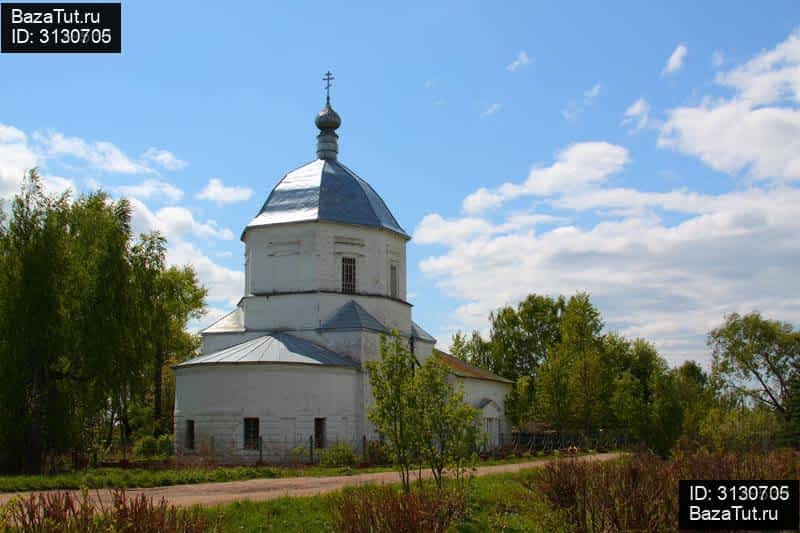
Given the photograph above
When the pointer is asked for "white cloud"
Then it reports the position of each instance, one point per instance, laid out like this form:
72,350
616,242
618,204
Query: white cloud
519,61
668,282
770,76
56,185
676,59
577,166
224,284
16,157
175,223
576,107
482,200
732,136
179,221
637,115
433,229
163,158
153,188
757,130
102,155
667,278
491,110
216,191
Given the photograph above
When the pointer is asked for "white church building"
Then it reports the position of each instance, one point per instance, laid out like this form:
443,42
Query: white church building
325,278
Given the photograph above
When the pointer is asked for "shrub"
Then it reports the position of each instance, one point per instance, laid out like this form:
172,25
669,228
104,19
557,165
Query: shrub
640,493
56,512
340,454
146,447
299,455
165,445
383,508
377,453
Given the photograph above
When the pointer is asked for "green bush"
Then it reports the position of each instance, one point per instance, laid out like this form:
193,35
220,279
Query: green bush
377,454
340,454
165,445
146,447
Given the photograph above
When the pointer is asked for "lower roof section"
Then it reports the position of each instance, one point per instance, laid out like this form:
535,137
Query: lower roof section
466,370
280,348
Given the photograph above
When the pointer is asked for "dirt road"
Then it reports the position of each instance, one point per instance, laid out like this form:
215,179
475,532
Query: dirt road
267,489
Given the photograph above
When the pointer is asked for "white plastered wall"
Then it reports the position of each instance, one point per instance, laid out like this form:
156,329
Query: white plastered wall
306,256
285,398
475,390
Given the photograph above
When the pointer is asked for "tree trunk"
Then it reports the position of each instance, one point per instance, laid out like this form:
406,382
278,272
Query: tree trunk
110,434
157,385
35,446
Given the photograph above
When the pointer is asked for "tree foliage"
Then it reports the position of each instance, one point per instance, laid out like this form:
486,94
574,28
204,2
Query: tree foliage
419,412
73,327
393,411
755,357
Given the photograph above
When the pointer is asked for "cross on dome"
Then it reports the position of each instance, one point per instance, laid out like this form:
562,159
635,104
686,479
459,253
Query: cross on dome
328,79
328,121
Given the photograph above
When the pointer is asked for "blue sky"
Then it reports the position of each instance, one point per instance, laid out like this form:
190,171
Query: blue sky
646,153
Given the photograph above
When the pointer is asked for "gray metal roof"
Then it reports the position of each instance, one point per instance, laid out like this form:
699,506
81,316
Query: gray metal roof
274,348
352,316
418,332
325,190
232,322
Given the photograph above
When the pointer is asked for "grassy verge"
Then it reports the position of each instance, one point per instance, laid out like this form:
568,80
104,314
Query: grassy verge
140,478
499,503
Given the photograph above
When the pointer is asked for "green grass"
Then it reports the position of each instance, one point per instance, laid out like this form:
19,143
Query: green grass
305,514
139,477
499,503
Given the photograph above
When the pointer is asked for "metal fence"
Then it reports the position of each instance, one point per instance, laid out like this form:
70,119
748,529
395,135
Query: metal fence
548,441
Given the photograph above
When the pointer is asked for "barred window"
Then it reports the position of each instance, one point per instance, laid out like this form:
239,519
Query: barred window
393,281
349,275
251,433
190,434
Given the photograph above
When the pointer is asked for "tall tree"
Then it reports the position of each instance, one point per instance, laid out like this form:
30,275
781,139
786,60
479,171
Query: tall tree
755,357
448,431
394,411
75,335
581,346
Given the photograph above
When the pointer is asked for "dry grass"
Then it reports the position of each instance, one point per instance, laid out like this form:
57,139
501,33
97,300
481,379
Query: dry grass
56,512
640,493
384,508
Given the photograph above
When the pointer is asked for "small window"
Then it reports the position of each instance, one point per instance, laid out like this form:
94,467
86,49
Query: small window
319,432
393,281
190,434
349,275
251,433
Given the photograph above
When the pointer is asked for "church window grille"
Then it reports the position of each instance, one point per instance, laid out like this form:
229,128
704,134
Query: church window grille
393,281
190,434
319,432
349,275
251,433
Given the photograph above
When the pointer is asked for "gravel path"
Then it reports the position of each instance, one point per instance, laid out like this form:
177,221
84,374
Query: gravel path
267,489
